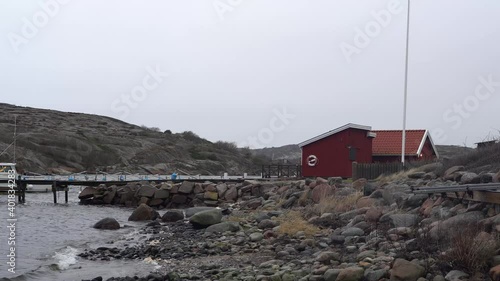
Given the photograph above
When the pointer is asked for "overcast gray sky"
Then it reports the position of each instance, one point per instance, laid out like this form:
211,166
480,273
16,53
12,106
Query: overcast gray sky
258,72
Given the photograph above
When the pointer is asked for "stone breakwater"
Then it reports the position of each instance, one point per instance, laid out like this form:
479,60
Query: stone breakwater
179,195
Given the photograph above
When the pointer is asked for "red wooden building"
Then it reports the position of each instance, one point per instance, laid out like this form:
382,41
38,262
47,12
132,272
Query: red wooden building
387,146
332,153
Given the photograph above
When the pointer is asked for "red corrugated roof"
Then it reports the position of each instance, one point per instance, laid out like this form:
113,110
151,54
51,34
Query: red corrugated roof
388,142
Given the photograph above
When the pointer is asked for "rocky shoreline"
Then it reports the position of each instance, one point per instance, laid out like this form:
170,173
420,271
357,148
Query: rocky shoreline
321,229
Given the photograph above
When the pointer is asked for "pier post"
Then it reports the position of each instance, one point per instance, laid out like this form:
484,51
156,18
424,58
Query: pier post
22,197
66,194
54,191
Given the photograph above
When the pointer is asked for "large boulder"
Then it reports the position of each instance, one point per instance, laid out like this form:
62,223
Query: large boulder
172,216
109,196
444,228
146,191
456,275
162,194
403,270
206,218
231,194
191,211
88,193
449,174
179,199
321,191
221,189
470,178
186,187
144,213
107,223
223,227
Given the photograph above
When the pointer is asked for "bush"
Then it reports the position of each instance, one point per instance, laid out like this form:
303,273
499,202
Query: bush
226,146
470,248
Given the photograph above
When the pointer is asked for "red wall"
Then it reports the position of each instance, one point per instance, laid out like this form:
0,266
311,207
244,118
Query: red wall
333,154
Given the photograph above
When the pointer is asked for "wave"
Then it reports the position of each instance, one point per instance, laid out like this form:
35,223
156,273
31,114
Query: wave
65,258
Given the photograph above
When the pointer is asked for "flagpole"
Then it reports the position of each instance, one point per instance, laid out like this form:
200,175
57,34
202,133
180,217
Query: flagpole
403,141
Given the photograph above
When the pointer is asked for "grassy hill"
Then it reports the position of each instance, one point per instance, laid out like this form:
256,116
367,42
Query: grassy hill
61,142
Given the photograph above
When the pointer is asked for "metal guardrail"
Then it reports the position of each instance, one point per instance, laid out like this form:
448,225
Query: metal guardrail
457,188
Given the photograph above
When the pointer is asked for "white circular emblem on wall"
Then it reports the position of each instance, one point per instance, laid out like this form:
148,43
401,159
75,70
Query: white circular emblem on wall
312,160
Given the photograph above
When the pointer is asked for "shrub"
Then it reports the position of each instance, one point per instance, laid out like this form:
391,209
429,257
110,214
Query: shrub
470,248
293,222
226,146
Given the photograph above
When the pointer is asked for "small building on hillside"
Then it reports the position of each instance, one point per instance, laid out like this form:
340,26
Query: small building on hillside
387,146
332,153
485,144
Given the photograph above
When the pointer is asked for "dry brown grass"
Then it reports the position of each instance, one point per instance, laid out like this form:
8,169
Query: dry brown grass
396,176
293,222
337,204
470,248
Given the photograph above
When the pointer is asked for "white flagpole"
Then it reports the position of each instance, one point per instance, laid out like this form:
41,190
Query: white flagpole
403,144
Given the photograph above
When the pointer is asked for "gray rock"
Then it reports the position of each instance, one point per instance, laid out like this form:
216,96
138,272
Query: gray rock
179,199
456,275
143,213
191,211
331,274
267,224
403,270
353,231
403,220
416,200
162,194
88,192
231,194
256,236
107,223
109,196
146,191
221,189
459,221
327,257
354,273
223,227
172,216
206,218
186,187
375,275
469,178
